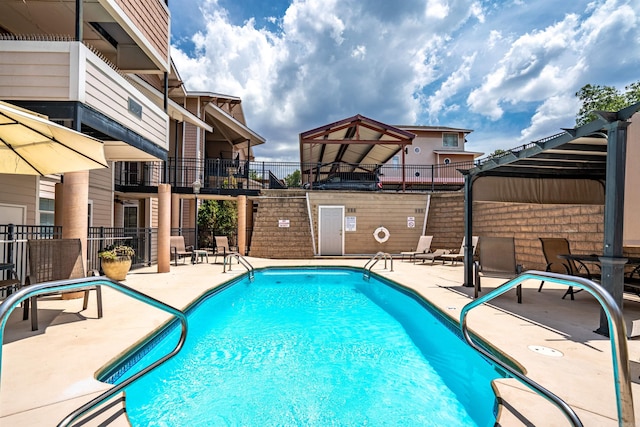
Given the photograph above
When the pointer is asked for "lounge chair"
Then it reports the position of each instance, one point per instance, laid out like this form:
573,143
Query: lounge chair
56,259
497,259
432,256
459,256
222,247
423,246
554,246
179,250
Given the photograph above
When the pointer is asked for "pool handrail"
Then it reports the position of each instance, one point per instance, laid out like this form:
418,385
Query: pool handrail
241,260
12,301
374,260
617,337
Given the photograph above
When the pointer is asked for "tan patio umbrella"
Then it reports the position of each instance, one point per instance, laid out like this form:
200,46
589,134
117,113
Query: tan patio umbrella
30,144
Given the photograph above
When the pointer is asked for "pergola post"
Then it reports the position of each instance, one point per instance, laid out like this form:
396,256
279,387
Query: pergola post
612,261
468,229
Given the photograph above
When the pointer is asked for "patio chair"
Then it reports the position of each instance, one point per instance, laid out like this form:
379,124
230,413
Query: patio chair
459,256
433,256
11,282
222,247
554,246
179,250
56,259
497,259
423,246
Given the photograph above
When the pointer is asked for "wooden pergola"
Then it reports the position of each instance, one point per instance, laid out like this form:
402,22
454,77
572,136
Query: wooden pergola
356,144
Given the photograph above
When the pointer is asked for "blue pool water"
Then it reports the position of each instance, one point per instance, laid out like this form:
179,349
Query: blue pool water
311,347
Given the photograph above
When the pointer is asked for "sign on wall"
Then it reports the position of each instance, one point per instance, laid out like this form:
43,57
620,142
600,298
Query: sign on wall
350,223
283,223
411,222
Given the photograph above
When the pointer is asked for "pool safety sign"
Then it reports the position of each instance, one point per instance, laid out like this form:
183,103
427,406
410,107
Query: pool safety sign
350,223
283,223
411,222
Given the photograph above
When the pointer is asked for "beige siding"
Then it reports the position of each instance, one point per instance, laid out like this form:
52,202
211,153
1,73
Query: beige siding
48,71
34,70
151,18
47,188
22,191
109,93
101,194
372,211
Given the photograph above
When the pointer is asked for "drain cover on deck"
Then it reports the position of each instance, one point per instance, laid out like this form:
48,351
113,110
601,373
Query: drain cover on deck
546,351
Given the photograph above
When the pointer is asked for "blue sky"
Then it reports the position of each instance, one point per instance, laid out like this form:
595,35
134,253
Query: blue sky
508,70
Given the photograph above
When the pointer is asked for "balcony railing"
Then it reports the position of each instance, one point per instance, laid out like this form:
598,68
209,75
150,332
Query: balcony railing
233,176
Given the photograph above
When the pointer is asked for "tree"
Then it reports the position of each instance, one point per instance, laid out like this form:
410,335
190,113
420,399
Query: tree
216,218
604,98
293,179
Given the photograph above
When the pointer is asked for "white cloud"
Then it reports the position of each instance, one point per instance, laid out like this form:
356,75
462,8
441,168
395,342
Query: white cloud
470,64
438,101
556,112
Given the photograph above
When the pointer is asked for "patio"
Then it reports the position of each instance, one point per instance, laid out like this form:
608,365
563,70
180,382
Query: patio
48,373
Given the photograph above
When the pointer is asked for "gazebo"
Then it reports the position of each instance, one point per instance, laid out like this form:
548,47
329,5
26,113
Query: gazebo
582,165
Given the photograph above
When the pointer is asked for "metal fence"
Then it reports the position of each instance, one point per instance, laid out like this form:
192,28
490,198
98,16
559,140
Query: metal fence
220,174
13,245
142,240
14,237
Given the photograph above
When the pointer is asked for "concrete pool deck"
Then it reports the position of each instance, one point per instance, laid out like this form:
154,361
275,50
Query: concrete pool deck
48,373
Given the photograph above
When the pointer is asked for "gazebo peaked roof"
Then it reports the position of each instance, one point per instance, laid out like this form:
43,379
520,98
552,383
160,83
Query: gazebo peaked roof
582,165
353,141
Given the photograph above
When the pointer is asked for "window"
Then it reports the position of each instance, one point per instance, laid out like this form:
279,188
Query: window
130,217
447,161
416,150
450,140
47,209
396,162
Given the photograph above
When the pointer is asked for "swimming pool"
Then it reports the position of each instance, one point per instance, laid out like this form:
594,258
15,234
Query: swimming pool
310,347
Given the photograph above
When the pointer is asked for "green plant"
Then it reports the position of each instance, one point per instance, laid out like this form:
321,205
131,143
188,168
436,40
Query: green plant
113,252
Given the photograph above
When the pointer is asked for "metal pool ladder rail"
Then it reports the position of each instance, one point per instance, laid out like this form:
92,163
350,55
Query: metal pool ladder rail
617,334
373,261
241,260
16,298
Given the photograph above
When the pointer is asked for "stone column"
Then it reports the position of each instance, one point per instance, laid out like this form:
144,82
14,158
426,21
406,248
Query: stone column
242,225
75,214
164,227
175,210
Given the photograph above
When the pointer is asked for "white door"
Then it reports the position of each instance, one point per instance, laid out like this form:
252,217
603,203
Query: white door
331,220
13,214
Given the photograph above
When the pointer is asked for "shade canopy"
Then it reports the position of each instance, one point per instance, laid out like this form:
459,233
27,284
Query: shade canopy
356,142
30,144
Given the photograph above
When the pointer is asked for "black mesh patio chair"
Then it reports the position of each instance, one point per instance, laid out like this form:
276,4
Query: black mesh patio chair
56,259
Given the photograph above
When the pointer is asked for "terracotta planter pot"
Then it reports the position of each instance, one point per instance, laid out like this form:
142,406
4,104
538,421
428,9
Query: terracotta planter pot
116,269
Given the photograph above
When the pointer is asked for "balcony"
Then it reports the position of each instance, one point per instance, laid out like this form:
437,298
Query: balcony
232,177
64,79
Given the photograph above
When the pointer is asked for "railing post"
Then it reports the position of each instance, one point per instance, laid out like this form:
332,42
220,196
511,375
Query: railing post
149,246
433,177
10,238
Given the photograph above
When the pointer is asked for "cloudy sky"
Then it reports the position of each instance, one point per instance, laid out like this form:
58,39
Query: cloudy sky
507,69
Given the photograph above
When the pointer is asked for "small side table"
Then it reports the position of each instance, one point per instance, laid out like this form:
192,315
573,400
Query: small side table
199,254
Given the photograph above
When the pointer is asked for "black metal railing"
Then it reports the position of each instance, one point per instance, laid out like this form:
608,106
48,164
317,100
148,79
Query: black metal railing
226,174
14,237
13,245
142,240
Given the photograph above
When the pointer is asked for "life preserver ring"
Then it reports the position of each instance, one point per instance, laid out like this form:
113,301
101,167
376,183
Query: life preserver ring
381,234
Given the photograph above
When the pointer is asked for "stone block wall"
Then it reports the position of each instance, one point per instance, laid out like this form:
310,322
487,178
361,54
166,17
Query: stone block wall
582,225
269,239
